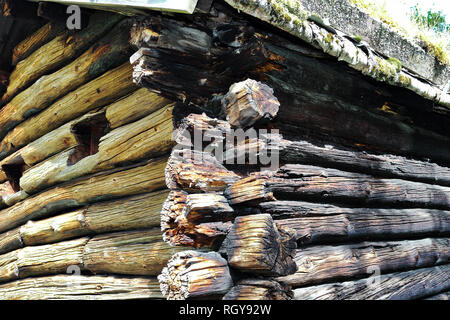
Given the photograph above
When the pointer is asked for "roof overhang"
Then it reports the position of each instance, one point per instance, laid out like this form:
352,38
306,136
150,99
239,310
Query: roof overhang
181,6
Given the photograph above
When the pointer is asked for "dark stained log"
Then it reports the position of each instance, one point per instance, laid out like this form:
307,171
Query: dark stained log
99,92
259,289
207,65
10,241
249,101
134,179
133,252
193,170
18,9
310,182
197,220
369,224
255,244
409,285
440,296
192,274
81,287
385,165
107,53
306,152
58,12
321,264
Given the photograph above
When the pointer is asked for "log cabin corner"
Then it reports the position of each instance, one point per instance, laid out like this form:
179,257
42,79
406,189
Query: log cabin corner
220,149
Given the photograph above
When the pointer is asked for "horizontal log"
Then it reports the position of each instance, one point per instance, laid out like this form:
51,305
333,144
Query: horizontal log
307,182
42,260
255,244
321,264
97,93
440,296
135,179
195,170
259,289
42,36
81,287
409,285
149,137
197,220
367,223
109,52
54,54
131,252
134,107
191,274
249,101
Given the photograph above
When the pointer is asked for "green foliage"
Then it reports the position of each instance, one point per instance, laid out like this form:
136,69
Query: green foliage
434,20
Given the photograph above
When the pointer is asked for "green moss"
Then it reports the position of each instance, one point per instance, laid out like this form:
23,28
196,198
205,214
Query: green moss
385,70
329,38
397,63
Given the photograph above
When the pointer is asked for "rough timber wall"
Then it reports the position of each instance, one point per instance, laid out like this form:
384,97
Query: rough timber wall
359,207
82,158
105,193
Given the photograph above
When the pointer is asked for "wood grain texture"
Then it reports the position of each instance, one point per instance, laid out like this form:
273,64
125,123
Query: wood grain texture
109,52
191,274
259,289
256,245
440,296
80,287
368,223
320,264
408,285
248,102
36,40
149,137
135,179
99,92
54,54
132,252
197,220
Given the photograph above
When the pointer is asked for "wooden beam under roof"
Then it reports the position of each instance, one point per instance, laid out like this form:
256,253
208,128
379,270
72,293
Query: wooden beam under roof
181,6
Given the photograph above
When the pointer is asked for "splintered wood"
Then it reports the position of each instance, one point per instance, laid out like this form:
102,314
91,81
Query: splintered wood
255,244
191,274
249,101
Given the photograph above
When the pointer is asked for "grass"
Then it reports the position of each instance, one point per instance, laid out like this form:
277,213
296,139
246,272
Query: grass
435,43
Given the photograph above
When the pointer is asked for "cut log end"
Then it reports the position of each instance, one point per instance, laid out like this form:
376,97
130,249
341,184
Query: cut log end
248,102
259,289
257,245
191,274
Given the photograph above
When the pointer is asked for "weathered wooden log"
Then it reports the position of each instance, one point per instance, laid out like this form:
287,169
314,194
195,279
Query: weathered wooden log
440,296
255,244
248,190
134,179
131,252
367,223
197,171
42,36
191,274
80,287
208,65
198,220
58,51
409,285
149,137
42,260
249,101
320,264
259,289
97,93
309,182
134,107
12,199
109,52
135,212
